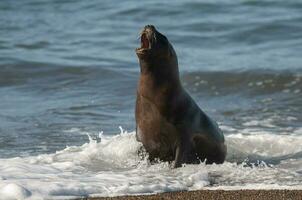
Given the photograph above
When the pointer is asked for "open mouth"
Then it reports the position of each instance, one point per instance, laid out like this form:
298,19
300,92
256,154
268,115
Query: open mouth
148,40
145,43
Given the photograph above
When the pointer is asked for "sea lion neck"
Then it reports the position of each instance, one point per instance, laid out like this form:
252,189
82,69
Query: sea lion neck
160,72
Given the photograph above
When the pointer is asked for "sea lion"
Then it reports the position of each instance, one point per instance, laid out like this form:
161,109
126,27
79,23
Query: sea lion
169,123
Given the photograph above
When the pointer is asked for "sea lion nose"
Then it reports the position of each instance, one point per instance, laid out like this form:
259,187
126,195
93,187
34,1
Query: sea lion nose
150,27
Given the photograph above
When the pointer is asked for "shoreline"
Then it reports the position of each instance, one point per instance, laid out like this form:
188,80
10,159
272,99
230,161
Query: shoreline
213,194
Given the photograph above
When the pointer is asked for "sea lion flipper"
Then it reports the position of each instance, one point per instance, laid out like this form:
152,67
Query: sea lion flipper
183,150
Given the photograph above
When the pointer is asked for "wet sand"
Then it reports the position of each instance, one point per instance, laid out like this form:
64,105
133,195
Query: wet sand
215,194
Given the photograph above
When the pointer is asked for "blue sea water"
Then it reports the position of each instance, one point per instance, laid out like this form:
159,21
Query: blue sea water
68,69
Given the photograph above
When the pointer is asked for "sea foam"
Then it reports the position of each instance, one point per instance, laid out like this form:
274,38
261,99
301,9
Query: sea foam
110,166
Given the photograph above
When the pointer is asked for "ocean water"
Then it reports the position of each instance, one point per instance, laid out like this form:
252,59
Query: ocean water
68,77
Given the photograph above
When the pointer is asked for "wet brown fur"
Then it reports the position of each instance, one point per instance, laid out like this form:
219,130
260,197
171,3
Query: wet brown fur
169,123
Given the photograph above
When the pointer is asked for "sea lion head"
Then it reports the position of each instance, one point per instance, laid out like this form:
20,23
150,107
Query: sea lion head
156,52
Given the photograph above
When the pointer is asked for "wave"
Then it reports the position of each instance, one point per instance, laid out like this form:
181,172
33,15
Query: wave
250,82
112,167
262,80
25,73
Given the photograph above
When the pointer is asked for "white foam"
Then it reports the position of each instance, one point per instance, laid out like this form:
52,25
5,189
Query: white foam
257,123
264,144
14,191
112,167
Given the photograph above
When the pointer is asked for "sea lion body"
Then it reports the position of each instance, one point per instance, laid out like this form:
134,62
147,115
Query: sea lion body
169,123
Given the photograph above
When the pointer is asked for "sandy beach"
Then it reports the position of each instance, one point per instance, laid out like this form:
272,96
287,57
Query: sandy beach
215,194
